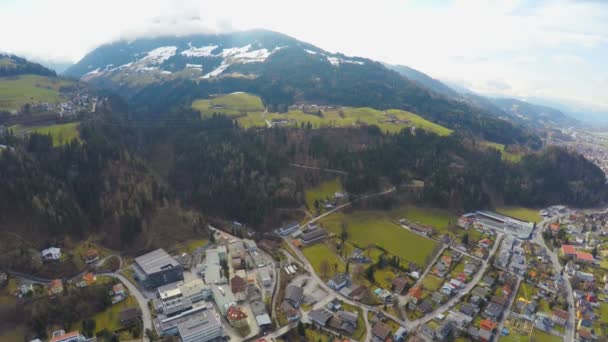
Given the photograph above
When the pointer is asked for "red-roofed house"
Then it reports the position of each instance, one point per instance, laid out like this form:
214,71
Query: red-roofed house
584,257
61,336
415,294
559,317
487,325
568,250
56,287
236,317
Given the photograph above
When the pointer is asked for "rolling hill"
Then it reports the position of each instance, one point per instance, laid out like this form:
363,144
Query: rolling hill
159,74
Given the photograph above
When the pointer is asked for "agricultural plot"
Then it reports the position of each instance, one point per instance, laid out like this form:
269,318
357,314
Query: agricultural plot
251,113
367,228
18,91
61,133
437,218
232,105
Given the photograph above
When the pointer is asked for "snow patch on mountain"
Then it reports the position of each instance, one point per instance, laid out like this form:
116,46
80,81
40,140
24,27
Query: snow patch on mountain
203,51
159,55
217,71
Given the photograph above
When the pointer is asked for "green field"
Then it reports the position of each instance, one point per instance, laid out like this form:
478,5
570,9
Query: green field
17,91
235,104
110,318
506,155
367,228
438,218
322,191
62,133
250,112
318,254
525,214
431,283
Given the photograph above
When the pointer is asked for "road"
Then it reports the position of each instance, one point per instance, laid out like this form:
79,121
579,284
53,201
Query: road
538,238
452,301
146,316
505,313
327,289
340,172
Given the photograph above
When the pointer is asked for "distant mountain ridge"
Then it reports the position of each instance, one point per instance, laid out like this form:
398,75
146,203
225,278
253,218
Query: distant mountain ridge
11,65
159,74
511,109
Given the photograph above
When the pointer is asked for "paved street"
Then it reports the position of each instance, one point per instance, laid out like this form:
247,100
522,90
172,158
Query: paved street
538,238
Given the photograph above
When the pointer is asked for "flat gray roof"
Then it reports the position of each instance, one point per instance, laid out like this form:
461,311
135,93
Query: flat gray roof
156,261
206,321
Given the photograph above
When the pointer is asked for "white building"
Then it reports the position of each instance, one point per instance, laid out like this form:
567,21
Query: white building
52,253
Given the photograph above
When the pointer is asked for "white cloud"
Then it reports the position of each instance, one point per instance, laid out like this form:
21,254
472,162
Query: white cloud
476,40
568,59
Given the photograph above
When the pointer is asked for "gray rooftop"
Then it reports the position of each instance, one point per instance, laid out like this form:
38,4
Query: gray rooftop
205,322
156,261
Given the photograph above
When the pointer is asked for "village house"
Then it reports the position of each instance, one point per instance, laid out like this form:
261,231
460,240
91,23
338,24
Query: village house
559,317
381,331
91,256
399,285
55,287
320,317
339,281
294,295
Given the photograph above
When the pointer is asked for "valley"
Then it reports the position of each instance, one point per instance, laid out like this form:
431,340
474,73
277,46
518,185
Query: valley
249,186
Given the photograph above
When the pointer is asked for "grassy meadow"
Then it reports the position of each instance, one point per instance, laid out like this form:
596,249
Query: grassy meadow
249,111
376,228
521,213
17,91
61,133
319,253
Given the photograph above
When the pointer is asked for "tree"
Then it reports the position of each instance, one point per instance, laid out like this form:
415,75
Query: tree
465,239
324,268
88,327
344,231
301,329
594,252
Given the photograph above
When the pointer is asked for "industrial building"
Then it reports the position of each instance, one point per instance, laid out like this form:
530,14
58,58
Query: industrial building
206,327
157,268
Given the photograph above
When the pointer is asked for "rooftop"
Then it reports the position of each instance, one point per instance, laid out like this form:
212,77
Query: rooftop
156,261
193,327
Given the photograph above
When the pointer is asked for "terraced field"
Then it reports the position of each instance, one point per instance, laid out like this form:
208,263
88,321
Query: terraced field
17,91
250,113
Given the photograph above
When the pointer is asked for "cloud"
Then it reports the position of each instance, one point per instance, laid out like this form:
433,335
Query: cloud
568,59
521,43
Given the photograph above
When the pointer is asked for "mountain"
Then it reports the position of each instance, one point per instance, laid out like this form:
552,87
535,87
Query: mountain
11,65
534,113
424,79
159,74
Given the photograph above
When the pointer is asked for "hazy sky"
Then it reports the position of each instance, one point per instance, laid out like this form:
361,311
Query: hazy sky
551,49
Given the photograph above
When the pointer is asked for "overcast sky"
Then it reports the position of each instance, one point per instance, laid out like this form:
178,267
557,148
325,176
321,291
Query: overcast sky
552,49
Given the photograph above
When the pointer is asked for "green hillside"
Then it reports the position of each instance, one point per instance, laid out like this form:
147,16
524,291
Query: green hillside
17,91
250,113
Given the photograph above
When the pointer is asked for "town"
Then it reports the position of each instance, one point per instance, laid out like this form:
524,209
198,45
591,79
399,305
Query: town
495,277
